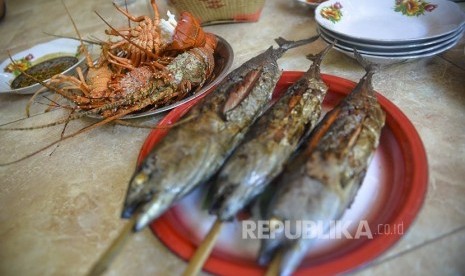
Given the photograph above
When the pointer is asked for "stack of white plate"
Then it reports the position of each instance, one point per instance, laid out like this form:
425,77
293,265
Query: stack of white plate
388,31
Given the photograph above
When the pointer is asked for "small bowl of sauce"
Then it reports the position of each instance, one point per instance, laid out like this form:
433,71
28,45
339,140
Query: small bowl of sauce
43,61
43,71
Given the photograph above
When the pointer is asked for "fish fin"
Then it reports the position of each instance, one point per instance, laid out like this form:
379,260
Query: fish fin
288,44
369,67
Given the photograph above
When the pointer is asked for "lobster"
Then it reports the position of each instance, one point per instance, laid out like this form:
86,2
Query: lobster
151,38
117,85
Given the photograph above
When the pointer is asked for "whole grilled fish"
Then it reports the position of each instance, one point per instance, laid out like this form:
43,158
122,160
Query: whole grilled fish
268,145
192,152
321,182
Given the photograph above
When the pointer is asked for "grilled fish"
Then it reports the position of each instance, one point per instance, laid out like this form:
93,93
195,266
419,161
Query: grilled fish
268,145
320,183
192,152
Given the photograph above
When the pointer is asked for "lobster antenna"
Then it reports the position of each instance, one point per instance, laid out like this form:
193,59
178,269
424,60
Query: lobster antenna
178,123
30,116
89,61
72,21
127,10
70,37
66,137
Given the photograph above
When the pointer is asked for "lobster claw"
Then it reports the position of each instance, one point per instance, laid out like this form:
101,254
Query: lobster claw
189,34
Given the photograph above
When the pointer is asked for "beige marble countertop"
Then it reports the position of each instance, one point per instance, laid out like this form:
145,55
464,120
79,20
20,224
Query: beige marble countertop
60,209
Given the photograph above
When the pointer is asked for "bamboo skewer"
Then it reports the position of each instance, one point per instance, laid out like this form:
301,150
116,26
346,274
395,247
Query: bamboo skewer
115,247
273,268
203,251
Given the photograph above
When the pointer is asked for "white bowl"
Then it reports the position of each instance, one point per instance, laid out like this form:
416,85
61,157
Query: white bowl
40,52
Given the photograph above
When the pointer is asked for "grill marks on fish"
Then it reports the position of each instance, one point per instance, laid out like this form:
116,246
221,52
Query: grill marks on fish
191,153
241,91
269,144
323,179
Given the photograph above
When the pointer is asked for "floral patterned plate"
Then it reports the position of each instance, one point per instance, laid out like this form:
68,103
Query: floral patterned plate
60,47
390,20
393,52
389,45
382,59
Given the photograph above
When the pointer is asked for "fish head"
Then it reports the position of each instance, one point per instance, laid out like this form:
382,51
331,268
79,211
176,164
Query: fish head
139,191
151,210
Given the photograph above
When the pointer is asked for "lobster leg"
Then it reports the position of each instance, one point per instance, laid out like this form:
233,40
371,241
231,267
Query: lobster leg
131,17
85,88
149,53
135,58
119,61
156,17
121,32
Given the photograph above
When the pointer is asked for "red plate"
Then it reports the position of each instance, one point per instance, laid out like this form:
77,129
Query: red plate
389,199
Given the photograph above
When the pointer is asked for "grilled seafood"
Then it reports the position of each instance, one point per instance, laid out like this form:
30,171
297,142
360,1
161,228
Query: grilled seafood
140,43
260,157
267,146
114,89
138,88
193,152
152,37
134,69
320,183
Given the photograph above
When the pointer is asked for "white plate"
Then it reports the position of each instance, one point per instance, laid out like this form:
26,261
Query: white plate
53,48
380,22
392,52
380,59
390,46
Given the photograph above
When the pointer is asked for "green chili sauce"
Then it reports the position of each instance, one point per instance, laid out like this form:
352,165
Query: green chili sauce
43,71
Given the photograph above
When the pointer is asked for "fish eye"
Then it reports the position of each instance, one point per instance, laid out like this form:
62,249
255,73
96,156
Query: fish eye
140,179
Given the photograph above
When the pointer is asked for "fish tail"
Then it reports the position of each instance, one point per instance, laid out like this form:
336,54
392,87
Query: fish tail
316,59
370,68
285,44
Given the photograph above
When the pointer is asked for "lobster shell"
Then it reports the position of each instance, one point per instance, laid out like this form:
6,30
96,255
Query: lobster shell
189,34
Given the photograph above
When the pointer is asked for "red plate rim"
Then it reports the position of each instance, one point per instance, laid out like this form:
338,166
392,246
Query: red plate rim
413,153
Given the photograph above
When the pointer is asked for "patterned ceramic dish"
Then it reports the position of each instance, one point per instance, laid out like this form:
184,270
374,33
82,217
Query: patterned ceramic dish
390,20
61,47
393,51
389,45
380,59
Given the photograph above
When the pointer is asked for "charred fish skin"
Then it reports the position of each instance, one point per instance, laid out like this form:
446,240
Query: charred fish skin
322,181
192,152
267,146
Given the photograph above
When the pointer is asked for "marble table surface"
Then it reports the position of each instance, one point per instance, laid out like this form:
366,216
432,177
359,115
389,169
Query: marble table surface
60,209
